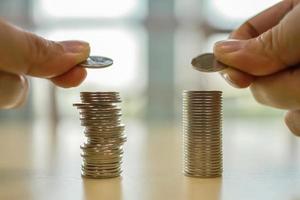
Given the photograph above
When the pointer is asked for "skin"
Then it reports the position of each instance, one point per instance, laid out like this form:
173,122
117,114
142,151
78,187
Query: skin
264,54
24,54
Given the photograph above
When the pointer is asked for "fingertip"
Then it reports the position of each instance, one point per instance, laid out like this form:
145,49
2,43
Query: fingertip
237,78
72,78
228,46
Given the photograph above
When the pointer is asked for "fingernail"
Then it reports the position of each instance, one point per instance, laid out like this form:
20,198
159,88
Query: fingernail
228,46
75,46
228,79
79,49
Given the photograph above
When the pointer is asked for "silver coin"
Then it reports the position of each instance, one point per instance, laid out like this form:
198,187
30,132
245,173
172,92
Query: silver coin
99,176
207,63
97,62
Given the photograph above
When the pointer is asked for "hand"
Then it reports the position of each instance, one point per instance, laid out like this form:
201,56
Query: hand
264,55
23,53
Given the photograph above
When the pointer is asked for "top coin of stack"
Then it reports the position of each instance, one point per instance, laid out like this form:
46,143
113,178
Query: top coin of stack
101,117
100,97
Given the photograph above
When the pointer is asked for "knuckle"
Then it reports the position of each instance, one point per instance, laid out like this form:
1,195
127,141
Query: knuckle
266,95
270,43
277,95
257,92
41,50
292,121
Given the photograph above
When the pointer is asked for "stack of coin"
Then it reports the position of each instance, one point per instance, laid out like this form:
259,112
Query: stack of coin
102,152
202,118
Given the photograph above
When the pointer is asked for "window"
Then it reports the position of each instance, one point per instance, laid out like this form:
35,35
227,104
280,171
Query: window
89,9
227,14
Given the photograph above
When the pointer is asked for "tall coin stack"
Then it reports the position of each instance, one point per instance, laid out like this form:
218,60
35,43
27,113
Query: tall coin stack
102,152
202,119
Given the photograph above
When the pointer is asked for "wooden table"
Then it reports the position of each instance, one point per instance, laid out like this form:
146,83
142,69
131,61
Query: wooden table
40,160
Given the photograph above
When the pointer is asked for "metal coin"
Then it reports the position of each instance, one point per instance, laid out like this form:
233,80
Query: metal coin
99,94
207,63
100,176
97,62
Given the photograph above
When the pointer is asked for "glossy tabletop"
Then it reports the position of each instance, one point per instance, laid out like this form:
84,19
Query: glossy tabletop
41,160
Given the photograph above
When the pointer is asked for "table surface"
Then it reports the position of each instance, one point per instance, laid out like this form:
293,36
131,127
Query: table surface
40,160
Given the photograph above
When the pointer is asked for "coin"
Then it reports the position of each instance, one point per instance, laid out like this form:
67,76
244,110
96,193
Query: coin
97,62
207,63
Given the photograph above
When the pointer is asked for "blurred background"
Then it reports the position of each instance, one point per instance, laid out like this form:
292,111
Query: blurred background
152,44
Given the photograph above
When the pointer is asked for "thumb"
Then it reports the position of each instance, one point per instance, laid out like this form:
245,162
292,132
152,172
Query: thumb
50,59
268,53
23,52
257,56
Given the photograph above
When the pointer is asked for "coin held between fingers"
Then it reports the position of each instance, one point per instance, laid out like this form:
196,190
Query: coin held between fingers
208,63
95,62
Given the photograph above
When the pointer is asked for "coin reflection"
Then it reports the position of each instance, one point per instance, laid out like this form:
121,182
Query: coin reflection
95,189
208,189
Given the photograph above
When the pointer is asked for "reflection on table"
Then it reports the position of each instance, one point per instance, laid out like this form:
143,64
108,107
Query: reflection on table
41,160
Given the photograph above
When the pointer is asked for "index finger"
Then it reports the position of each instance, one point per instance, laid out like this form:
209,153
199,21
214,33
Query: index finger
263,21
253,28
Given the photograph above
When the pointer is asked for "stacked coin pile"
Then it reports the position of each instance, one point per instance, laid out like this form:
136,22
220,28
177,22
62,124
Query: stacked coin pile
202,118
102,152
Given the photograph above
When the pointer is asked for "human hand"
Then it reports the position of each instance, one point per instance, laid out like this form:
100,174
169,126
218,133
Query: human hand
25,54
265,55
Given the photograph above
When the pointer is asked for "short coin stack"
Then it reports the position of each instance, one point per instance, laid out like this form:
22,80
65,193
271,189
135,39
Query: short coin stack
102,152
202,119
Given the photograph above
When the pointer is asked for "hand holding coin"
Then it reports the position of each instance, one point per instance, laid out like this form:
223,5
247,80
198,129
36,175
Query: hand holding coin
264,54
24,54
